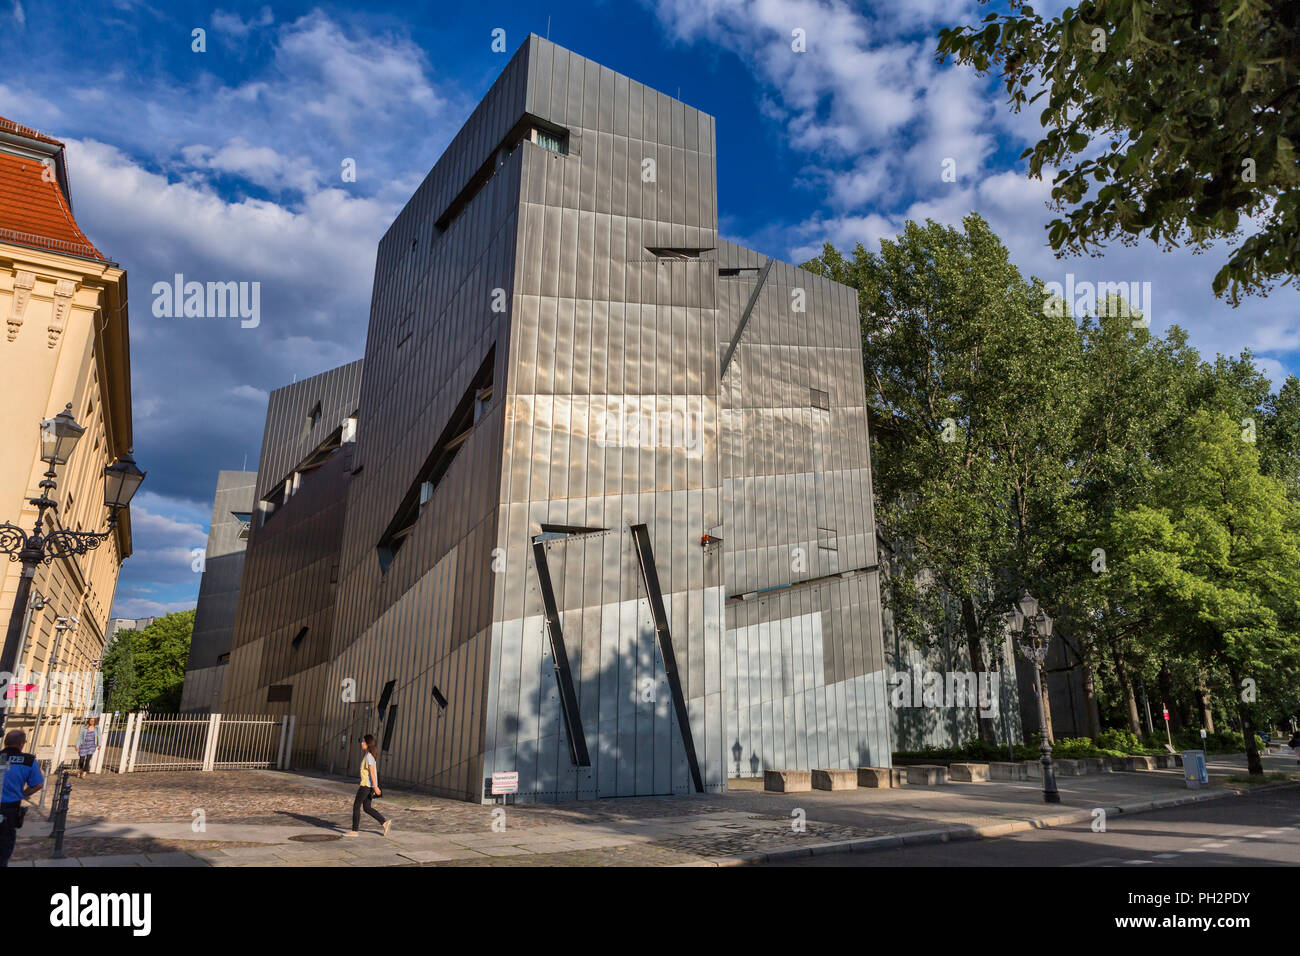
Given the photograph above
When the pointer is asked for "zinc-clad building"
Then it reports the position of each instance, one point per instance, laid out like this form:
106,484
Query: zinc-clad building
280,647
608,520
223,570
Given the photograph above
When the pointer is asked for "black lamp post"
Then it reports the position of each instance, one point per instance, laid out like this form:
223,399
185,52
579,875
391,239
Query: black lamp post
1037,637
59,437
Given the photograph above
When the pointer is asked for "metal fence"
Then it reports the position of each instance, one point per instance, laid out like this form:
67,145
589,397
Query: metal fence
54,740
132,743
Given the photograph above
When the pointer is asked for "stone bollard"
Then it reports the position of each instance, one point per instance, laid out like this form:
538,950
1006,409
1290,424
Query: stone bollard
926,775
787,781
874,777
835,779
968,772
1006,770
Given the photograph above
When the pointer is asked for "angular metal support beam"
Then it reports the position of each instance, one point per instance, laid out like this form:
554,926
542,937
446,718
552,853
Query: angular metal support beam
744,318
650,578
563,675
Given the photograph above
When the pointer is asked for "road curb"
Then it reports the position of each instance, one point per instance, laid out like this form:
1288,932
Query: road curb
968,832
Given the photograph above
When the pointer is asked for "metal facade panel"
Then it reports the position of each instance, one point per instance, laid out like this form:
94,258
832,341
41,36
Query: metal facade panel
607,410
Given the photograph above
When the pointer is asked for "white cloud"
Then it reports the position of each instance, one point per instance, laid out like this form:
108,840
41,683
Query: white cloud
232,24
250,393
875,117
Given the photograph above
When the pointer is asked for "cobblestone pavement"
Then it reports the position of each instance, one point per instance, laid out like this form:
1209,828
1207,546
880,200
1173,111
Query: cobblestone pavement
277,799
38,846
268,818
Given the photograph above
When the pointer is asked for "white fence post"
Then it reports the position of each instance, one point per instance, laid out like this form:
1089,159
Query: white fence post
285,757
97,762
210,745
135,741
126,744
61,741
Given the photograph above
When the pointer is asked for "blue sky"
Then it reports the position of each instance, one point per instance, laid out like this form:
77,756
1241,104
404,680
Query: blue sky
224,165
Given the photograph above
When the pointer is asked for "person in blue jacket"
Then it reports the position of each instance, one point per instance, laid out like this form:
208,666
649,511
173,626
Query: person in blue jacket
22,778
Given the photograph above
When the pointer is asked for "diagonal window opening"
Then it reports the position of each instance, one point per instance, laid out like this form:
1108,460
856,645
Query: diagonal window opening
469,412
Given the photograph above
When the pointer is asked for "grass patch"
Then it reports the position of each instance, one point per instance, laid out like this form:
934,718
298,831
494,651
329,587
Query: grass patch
1250,780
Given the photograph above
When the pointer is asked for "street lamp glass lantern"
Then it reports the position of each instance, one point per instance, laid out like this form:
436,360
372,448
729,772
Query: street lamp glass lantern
1028,604
1015,620
59,436
1044,624
121,479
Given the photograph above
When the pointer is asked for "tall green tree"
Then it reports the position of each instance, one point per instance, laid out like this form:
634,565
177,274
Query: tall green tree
162,651
1174,119
1132,390
144,670
1213,559
120,682
970,388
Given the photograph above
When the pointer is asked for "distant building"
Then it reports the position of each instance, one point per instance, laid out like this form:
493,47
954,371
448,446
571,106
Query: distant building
65,310
283,628
117,624
223,569
608,520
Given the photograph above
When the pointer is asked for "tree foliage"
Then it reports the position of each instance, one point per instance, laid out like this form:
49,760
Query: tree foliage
1175,120
1146,495
144,670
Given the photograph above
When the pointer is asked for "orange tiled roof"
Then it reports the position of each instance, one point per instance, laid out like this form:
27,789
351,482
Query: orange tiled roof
33,209
9,126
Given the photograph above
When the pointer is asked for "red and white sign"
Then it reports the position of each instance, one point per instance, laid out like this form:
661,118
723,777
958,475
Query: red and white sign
505,782
1166,713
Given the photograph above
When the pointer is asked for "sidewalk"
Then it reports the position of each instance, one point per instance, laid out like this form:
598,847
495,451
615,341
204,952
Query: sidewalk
267,818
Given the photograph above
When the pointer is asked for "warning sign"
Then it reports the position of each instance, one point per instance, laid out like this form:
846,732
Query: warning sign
505,782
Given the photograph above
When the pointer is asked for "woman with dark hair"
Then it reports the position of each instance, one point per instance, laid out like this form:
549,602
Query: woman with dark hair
87,744
369,787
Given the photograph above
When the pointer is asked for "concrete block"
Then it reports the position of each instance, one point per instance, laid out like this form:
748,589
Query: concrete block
1006,770
835,779
1095,764
874,777
898,777
1068,767
968,772
787,781
1131,763
926,775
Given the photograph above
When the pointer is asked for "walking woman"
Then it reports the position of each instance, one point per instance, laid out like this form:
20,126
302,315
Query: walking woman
87,744
369,787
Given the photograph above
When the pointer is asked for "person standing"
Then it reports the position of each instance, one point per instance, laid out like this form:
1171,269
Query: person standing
87,744
369,787
22,778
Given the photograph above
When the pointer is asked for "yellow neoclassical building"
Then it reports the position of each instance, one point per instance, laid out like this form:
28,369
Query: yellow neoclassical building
64,343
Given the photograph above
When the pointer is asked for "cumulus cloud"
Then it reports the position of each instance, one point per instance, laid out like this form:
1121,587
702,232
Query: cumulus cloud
237,178
876,119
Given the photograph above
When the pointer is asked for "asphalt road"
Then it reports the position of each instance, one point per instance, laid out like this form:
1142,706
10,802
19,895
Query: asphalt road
1260,829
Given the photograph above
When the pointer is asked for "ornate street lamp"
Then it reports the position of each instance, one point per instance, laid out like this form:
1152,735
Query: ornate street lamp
59,437
1033,648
